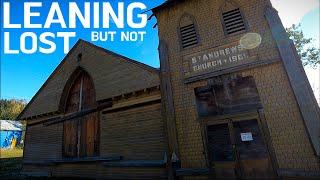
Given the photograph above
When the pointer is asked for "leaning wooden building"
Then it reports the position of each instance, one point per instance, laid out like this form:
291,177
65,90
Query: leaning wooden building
231,99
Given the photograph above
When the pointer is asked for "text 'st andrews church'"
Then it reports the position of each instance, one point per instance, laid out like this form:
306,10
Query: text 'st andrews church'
230,100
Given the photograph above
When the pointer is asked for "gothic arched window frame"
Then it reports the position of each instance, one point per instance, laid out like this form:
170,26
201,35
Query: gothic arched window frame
236,6
196,31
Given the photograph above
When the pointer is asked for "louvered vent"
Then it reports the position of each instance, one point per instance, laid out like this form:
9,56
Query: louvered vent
188,36
233,21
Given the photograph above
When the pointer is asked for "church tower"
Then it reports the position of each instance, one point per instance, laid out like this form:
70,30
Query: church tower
237,102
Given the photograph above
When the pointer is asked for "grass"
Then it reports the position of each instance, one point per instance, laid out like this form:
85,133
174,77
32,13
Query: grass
10,162
11,153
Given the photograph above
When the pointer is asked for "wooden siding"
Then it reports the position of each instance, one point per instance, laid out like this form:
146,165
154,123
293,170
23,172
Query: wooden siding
43,142
132,173
75,170
97,170
136,133
112,75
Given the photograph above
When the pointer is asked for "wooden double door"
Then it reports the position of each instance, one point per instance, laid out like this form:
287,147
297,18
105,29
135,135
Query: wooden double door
237,149
81,135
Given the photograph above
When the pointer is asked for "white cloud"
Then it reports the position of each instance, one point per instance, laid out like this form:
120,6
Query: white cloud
292,11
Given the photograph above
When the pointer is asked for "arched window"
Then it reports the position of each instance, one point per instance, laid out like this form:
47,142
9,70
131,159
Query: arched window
232,18
81,135
188,31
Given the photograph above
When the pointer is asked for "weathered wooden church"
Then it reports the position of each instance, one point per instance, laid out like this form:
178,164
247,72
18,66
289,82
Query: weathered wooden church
230,100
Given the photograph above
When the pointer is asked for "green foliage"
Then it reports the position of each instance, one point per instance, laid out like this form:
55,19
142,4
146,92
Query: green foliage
308,53
10,109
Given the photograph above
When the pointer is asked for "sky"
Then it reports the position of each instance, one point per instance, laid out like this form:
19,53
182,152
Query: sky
22,75
307,13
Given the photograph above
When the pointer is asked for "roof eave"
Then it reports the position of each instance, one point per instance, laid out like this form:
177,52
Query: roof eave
168,3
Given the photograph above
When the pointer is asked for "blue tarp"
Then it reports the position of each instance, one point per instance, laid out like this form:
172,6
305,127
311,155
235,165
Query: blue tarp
6,138
10,130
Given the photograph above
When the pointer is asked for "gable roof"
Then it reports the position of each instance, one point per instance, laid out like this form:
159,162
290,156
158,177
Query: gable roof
112,74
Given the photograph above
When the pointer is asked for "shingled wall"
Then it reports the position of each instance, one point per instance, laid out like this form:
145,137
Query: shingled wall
290,141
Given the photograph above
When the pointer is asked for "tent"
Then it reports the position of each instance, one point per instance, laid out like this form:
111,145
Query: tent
10,133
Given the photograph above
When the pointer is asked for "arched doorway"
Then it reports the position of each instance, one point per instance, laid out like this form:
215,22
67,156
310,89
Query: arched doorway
81,135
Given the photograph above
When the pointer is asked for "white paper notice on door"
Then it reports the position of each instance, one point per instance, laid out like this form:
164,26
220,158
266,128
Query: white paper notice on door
246,136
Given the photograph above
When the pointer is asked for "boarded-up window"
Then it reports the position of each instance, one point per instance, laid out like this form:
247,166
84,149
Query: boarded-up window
188,32
81,135
228,97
